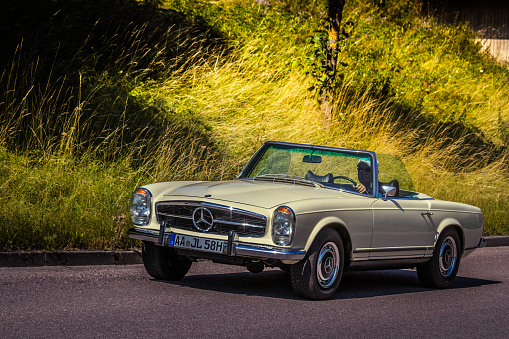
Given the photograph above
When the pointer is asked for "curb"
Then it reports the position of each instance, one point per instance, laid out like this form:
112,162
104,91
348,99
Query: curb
497,240
86,258
68,258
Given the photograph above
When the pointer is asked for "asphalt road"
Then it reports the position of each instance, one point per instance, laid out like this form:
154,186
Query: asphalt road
219,301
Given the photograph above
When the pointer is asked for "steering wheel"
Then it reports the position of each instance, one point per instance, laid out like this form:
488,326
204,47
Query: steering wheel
345,178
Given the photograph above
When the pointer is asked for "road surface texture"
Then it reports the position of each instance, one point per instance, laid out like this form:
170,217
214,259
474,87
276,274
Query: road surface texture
220,301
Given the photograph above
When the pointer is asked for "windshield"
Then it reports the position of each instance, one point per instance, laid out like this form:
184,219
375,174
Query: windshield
337,168
328,166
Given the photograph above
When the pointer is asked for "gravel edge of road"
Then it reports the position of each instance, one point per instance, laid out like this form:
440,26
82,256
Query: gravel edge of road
86,258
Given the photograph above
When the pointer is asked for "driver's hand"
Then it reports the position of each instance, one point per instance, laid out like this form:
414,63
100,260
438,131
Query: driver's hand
360,188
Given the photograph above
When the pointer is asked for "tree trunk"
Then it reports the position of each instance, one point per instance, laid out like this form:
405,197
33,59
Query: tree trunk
335,13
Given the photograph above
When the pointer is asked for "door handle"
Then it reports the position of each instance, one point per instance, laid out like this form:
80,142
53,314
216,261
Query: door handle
428,213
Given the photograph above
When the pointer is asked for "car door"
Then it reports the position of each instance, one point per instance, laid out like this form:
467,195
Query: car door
401,228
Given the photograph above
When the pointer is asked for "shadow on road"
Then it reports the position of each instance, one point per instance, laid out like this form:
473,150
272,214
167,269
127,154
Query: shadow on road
270,283
391,282
276,284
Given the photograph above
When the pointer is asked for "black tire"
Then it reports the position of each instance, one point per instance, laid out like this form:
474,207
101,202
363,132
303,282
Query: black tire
440,271
163,263
317,276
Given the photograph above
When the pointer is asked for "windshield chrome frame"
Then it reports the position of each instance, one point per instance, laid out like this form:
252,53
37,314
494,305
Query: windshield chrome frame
259,153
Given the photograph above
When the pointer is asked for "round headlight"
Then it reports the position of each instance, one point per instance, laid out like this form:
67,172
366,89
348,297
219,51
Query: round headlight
141,207
283,226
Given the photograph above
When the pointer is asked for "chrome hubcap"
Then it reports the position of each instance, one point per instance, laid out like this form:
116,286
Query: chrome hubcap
327,265
447,257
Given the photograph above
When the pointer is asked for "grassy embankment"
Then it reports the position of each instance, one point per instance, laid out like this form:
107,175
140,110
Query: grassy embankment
92,106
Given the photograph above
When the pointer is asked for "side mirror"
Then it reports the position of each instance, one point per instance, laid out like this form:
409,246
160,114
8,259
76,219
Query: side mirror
388,191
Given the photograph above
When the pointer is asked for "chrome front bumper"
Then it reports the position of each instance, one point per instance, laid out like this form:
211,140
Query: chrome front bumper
234,247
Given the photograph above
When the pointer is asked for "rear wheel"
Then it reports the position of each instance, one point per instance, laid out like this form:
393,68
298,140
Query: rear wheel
163,263
317,276
441,270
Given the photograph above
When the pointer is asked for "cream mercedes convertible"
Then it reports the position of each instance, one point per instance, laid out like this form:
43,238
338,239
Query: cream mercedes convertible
313,211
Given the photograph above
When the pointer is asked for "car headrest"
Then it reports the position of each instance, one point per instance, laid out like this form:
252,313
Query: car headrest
329,178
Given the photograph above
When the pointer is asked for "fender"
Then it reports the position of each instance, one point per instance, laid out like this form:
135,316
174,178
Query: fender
450,222
323,223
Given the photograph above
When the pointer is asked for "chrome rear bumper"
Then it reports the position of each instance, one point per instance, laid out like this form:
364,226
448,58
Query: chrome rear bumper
234,247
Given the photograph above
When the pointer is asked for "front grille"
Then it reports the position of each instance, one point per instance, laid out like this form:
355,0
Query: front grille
179,214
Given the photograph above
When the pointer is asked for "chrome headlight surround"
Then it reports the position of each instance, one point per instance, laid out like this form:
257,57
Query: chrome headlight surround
283,226
141,206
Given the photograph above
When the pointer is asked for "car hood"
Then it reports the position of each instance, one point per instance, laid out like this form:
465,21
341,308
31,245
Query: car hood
260,194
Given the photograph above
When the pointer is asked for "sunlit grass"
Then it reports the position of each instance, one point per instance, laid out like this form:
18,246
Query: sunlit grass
245,109
60,204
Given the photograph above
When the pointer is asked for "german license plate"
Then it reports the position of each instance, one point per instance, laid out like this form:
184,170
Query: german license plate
197,243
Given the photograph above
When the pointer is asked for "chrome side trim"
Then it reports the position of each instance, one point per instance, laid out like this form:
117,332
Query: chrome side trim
237,248
393,249
393,258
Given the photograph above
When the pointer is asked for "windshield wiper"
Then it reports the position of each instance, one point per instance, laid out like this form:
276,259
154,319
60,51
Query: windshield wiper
287,178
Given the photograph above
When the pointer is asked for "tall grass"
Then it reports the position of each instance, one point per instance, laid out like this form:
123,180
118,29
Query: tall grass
171,98
76,137
245,109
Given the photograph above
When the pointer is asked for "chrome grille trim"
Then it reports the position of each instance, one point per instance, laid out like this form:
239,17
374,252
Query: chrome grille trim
174,216
237,223
179,214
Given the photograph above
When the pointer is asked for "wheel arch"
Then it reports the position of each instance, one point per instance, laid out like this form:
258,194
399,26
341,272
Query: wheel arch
454,224
339,226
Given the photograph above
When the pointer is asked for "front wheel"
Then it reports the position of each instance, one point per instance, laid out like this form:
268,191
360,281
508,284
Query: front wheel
441,270
163,263
317,276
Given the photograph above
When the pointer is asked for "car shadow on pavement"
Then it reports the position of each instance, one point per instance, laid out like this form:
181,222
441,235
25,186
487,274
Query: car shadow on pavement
274,283
366,284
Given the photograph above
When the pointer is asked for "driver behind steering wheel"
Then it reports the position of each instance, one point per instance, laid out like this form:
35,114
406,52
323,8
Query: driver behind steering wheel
365,176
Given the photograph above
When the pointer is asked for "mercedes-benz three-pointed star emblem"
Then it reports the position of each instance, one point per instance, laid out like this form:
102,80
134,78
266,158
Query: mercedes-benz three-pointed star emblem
203,219
328,265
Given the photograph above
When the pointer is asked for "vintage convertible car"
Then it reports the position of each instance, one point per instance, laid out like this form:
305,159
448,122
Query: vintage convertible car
310,210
